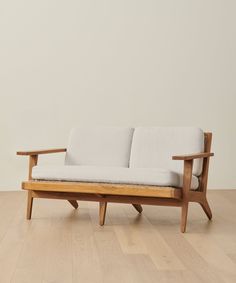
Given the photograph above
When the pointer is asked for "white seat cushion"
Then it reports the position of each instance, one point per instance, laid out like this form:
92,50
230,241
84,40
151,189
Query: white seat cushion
153,147
119,175
101,146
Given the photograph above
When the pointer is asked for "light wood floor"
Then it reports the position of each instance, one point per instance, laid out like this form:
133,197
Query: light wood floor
64,245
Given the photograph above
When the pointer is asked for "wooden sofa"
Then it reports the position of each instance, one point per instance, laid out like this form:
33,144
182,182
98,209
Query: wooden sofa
140,145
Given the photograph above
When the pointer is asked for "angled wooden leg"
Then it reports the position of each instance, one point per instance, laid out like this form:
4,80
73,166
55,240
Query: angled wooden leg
138,207
29,205
102,212
205,206
74,203
184,215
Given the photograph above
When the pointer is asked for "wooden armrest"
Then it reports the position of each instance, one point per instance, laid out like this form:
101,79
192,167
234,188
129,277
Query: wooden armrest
43,151
193,156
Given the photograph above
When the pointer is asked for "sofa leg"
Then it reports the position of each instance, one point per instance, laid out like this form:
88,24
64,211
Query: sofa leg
138,207
184,215
74,203
29,205
205,206
102,212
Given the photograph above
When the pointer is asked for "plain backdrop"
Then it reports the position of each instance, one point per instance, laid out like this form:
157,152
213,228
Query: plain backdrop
121,62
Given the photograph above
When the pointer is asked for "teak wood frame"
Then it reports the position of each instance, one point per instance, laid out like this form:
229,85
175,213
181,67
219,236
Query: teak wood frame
121,193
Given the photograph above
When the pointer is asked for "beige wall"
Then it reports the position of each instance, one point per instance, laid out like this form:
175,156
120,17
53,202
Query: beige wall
68,63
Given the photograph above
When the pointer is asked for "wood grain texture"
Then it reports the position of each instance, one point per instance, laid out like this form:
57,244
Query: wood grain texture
102,212
192,156
199,195
188,168
30,200
62,244
41,151
107,198
103,188
206,161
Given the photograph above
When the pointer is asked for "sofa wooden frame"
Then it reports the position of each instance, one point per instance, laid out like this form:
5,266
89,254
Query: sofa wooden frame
121,193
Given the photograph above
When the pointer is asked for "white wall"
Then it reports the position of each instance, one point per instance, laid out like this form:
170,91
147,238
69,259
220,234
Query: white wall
126,62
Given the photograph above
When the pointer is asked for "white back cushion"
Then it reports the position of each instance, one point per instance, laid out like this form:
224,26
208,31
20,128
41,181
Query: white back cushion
101,146
153,147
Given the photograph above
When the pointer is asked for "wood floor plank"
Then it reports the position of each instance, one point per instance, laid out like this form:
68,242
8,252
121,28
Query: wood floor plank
116,267
11,245
190,258
58,253
61,244
130,240
233,257
208,249
44,255
85,260
159,251
31,263
11,201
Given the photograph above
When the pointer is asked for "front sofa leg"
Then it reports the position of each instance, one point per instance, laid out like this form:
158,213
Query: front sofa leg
184,215
102,212
74,203
29,205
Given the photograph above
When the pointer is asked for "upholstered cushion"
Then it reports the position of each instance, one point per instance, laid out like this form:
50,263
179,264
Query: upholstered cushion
101,146
153,147
120,175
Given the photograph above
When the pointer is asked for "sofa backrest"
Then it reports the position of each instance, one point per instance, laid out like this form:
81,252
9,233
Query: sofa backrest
100,146
153,147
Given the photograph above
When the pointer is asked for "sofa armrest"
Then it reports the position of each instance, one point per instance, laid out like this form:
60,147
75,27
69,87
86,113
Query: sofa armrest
43,151
33,156
193,156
